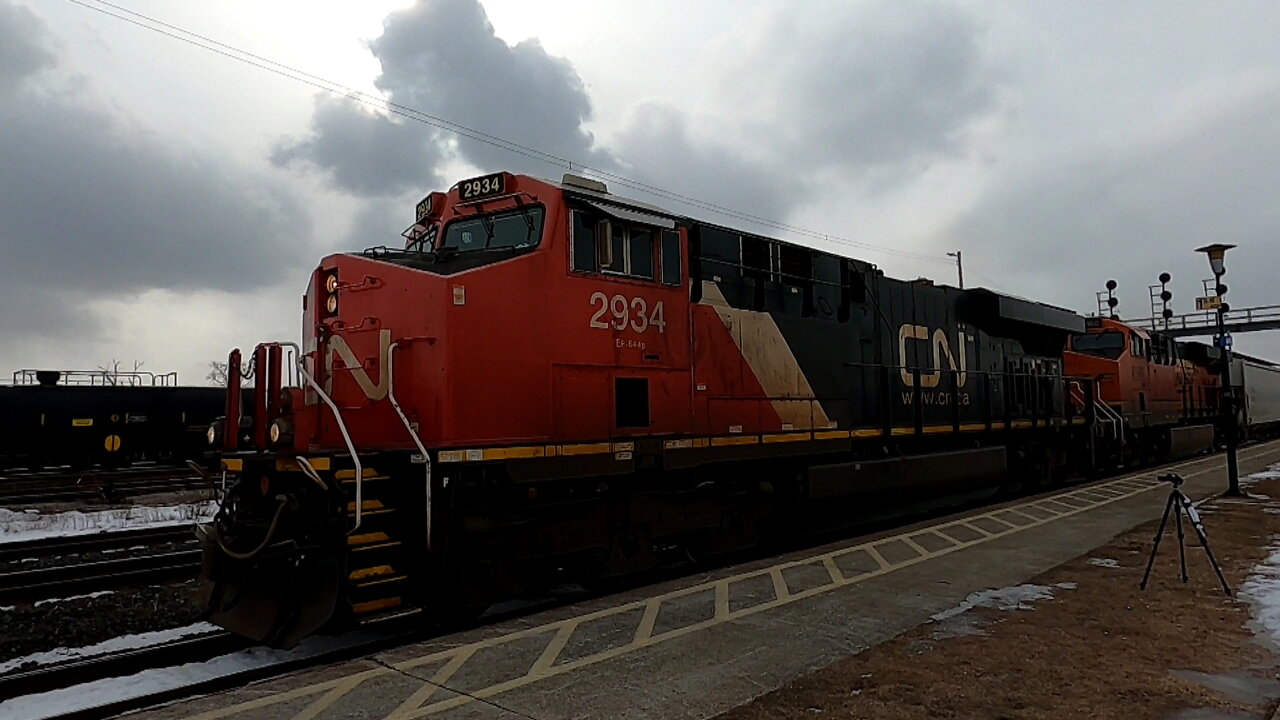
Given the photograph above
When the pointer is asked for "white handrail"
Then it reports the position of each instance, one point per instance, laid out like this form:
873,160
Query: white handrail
342,427
426,459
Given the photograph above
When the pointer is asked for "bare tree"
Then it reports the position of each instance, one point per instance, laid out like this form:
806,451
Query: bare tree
217,373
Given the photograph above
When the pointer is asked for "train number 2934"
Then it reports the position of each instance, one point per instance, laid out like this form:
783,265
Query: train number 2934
634,312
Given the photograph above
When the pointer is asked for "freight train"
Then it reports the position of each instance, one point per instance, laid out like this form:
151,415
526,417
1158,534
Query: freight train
548,380
81,419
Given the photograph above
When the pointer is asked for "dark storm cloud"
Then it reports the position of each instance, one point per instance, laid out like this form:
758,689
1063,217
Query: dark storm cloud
718,174
22,50
885,83
1063,228
94,206
364,153
441,57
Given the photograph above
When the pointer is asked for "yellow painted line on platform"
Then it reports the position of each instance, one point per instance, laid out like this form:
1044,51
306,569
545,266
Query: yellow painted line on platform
558,634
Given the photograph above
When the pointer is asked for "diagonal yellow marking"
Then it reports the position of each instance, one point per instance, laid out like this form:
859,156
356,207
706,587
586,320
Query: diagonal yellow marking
722,600
322,703
914,545
875,555
442,676
780,589
554,648
644,631
833,570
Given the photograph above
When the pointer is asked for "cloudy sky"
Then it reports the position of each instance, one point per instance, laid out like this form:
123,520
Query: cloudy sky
162,203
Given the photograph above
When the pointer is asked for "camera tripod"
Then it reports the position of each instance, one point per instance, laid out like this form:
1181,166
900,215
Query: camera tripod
1178,503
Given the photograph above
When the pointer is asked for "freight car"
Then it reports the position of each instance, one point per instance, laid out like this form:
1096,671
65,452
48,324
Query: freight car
1258,383
550,378
45,422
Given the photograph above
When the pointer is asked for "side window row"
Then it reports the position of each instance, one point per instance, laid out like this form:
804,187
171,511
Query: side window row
764,274
610,246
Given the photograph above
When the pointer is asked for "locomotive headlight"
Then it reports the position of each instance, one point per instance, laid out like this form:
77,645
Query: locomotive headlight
214,433
331,283
281,431
331,304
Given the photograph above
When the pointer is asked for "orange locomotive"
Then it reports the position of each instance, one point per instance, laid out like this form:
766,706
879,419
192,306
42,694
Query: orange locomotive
1153,400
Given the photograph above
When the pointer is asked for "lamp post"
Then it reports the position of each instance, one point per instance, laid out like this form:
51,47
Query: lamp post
1217,254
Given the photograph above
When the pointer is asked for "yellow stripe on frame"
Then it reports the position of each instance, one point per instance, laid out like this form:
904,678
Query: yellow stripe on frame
866,432
935,429
902,431
513,453
831,435
586,449
232,464
785,437
970,427
735,440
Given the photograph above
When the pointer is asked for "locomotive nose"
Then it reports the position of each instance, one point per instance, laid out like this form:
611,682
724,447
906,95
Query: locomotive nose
276,600
268,574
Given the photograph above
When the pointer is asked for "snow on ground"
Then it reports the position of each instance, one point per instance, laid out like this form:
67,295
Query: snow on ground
1262,590
1270,473
956,622
124,642
1018,597
33,525
49,601
1106,562
149,682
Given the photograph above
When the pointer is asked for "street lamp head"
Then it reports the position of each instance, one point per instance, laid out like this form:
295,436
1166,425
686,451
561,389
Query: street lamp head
1216,252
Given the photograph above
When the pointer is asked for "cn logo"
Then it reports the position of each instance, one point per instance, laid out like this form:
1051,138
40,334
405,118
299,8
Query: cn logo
941,350
373,391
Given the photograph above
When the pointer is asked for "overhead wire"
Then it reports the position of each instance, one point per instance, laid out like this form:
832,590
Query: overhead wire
380,103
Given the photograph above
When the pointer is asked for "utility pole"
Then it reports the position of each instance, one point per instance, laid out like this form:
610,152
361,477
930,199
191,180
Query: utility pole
959,266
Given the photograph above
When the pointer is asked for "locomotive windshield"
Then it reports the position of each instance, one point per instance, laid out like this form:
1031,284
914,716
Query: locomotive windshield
1109,344
514,229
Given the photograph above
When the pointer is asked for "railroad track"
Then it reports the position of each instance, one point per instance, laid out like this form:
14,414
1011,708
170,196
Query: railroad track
65,545
396,632
69,485
81,578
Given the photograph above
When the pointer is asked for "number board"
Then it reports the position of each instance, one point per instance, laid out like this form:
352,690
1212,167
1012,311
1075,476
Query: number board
483,186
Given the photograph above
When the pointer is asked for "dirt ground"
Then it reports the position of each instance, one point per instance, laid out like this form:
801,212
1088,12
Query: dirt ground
1098,648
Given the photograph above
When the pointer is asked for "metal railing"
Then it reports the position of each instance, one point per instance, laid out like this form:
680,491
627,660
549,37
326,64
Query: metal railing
95,378
1263,317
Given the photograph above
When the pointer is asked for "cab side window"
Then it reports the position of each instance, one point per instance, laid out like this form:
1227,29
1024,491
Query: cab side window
613,247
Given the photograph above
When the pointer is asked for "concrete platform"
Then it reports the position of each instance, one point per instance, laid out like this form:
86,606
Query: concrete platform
699,646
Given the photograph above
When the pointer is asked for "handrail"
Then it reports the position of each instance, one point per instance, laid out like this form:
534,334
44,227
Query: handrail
1110,412
426,459
342,427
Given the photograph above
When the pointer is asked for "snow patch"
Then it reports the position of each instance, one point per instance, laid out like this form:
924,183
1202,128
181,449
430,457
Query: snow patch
1262,590
50,601
149,682
1105,562
124,642
1271,473
31,525
1018,597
